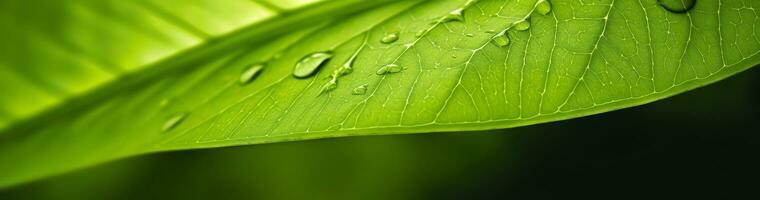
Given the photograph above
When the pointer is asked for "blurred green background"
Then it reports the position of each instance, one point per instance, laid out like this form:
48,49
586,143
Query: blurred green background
703,143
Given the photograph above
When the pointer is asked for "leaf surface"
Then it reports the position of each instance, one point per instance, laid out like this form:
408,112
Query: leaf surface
443,72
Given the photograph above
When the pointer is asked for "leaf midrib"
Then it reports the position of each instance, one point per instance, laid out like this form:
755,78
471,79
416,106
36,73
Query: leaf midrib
411,45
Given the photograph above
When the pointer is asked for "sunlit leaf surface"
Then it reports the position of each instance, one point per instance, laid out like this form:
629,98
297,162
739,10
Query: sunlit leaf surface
404,67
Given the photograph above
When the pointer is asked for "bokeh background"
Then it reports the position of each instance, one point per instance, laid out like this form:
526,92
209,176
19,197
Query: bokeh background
703,143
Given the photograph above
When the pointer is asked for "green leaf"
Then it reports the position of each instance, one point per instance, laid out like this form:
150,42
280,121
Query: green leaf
404,67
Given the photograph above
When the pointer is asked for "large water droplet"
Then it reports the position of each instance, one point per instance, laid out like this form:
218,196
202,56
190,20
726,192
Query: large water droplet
360,90
309,64
544,7
250,73
677,6
390,38
389,68
455,15
501,40
174,121
522,25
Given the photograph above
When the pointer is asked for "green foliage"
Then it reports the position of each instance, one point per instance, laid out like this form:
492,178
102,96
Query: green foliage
419,66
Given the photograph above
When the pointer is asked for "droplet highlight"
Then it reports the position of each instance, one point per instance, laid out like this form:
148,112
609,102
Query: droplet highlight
501,40
388,69
360,90
455,15
310,64
250,73
420,33
174,121
677,6
522,25
390,38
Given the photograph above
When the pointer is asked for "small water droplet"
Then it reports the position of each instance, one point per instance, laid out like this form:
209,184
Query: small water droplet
522,25
346,70
501,40
309,64
677,6
491,31
455,15
330,85
389,68
469,35
544,7
360,90
420,33
174,121
390,38
250,73
453,55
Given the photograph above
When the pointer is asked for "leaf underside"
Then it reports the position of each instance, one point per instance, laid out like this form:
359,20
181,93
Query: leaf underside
582,58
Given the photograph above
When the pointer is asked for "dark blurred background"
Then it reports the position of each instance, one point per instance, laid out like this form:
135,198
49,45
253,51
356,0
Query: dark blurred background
703,143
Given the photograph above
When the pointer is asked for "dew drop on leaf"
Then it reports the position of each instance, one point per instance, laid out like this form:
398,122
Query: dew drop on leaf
420,33
469,35
390,38
522,26
389,68
455,15
360,90
250,73
501,40
330,85
491,31
677,6
174,121
309,64
544,7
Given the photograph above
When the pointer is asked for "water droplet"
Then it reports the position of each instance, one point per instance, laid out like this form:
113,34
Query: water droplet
544,7
174,121
491,31
309,64
469,35
360,90
677,6
455,15
501,40
250,73
389,68
390,38
330,85
453,55
420,33
522,25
